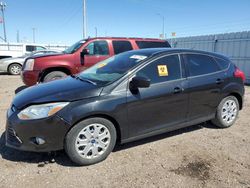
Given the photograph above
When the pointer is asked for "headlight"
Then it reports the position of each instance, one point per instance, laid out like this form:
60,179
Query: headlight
41,111
29,65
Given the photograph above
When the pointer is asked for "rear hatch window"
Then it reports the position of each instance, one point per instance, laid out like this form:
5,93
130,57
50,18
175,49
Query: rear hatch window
152,44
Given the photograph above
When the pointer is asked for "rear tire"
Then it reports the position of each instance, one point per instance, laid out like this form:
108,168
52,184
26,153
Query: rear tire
55,75
14,69
227,112
90,141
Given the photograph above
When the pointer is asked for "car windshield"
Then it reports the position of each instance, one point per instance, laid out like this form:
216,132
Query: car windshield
74,47
113,68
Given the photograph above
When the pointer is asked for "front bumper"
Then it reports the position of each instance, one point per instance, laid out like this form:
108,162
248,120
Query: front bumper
30,77
21,134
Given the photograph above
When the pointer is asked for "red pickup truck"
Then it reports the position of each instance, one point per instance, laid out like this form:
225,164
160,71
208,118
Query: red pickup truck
80,56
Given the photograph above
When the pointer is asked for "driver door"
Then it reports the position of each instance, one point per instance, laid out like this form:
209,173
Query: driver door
164,103
98,51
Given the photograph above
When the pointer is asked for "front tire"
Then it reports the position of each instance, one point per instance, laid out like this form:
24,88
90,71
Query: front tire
14,69
90,141
227,112
55,75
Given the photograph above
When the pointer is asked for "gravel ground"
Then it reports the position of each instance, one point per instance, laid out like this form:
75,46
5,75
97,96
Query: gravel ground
198,156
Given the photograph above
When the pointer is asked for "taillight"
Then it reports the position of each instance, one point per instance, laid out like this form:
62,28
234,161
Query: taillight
239,74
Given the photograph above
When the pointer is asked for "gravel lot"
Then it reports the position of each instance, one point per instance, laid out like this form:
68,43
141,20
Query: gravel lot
198,156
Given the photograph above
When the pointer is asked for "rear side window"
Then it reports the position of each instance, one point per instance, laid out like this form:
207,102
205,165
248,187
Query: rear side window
40,48
121,46
98,48
200,64
222,63
163,69
151,44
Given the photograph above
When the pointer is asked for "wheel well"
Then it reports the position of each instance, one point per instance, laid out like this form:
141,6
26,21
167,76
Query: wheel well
12,64
239,98
46,71
116,124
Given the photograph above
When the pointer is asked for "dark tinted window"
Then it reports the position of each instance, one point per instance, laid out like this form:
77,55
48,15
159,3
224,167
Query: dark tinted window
151,44
121,46
200,64
161,70
98,48
30,48
222,63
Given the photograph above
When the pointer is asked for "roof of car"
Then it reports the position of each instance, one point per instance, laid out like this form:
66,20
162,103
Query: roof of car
158,51
125,38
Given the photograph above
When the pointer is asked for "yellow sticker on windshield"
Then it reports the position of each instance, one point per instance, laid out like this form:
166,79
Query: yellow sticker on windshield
101,65
162,70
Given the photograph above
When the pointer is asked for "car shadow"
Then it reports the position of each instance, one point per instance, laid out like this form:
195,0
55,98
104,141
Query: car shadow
60,157
4,73
41,159
20,89
164,135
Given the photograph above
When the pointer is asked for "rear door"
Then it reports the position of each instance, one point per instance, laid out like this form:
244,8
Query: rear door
164,103
120,46
205,81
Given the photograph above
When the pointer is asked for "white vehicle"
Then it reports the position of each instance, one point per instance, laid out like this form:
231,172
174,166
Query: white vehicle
18,49
14,65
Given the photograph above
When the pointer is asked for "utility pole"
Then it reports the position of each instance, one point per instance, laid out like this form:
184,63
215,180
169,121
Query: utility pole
163,25
95,31
3,6
17,36
84,20
34,34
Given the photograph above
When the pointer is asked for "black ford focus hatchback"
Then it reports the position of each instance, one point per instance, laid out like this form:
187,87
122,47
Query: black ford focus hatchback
127,97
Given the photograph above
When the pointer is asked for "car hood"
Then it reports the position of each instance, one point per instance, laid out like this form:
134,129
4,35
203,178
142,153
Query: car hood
68,89
11,59
47,55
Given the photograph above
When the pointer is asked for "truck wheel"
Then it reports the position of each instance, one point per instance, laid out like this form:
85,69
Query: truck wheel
14,69
90,141
227,112
55,75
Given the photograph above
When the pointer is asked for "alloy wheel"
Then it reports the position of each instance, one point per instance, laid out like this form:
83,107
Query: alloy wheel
92,141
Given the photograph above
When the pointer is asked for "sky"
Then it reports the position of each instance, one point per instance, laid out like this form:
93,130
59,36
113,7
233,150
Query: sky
61,21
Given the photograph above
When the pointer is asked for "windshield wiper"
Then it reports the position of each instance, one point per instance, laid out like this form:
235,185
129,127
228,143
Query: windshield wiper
83,79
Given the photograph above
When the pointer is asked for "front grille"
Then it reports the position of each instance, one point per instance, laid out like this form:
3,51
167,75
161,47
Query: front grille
12,138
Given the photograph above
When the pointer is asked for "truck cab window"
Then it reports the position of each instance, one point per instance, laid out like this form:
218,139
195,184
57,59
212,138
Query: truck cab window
30,48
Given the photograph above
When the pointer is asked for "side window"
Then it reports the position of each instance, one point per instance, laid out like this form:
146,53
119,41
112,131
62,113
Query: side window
162,70
38,48
98,48
222,63
121,46
30,48
200,64
152,44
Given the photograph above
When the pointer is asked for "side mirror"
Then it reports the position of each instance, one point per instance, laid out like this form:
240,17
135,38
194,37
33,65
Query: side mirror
139,82
84,52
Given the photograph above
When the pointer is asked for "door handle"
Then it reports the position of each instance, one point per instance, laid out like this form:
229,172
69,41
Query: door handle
219,81
178,90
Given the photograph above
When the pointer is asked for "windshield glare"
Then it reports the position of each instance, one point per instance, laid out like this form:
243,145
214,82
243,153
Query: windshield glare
74,47
112,68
